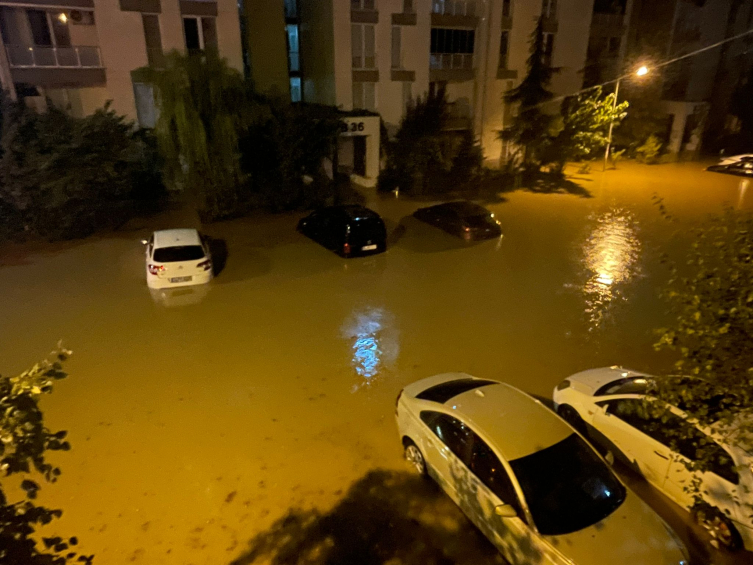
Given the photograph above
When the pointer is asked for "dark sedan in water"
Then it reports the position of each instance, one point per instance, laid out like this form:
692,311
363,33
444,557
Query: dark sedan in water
349,230
463,219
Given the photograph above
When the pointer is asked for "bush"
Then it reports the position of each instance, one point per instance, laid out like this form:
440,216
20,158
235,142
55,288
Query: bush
426,159
649,152
63,177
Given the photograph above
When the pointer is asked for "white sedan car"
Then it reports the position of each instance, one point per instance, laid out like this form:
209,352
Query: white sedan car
532,485
177,258
609,400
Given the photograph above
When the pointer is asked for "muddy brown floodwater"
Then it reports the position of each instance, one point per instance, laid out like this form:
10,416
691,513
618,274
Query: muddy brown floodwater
253,421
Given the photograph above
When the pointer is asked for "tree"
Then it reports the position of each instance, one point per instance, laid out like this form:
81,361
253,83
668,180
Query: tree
424,157
24,440
531,127
711,301
63,177
205,107
585,124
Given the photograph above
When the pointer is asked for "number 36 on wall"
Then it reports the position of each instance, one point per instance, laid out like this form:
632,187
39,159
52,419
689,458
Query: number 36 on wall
351,127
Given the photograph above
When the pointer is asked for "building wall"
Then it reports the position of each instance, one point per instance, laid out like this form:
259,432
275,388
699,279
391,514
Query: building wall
265,34
317,41
120,36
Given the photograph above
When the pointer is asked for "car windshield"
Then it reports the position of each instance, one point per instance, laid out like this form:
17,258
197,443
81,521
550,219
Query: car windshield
567,486
178,253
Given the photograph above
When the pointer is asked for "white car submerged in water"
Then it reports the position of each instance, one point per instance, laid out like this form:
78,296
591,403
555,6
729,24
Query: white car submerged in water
177,258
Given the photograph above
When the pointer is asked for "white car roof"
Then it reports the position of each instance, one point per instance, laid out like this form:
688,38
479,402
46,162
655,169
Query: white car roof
516,423
594,379
173,238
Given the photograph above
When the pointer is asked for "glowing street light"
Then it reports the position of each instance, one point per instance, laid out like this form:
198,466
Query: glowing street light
62,17
641,71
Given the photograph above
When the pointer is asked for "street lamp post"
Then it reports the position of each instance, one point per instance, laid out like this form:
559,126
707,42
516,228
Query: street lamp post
611,124
642,71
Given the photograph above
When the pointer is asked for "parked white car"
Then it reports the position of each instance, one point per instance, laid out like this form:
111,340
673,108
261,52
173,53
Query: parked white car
608,400
531,484
177,258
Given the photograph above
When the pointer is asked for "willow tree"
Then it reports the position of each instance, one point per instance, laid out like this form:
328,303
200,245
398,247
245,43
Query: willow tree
205,108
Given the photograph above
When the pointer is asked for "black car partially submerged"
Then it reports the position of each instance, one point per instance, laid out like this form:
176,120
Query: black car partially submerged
347,230
463,219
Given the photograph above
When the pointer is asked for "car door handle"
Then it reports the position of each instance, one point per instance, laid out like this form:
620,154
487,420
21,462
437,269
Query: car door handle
660,455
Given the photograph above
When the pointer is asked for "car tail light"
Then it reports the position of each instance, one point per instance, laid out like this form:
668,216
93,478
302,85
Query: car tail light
346,248
206,265
563,385
155,269
397,401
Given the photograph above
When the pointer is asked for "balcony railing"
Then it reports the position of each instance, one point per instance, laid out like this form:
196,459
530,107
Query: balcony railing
454,7
451,61
68,57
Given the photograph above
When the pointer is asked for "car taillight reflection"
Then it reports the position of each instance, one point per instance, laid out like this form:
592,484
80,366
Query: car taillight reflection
206,265
346,248
155,269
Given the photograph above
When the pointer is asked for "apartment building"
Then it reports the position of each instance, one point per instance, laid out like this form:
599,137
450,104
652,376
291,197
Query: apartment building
81,53
379,54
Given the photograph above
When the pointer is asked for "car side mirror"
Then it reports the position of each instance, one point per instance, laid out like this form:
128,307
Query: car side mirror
505,511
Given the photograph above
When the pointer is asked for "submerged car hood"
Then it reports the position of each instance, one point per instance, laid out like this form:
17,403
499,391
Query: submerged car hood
632,535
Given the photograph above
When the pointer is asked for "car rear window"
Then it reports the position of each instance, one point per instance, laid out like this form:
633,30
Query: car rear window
178,253
443,392
629,385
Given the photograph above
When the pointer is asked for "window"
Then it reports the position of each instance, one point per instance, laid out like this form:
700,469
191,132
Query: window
614,46
445,391
446,40
506,8
407,6
146,109
363,5
295,89
200,33
490,471
153,38
363,46
397,56
677,434
453,433
40,30
549,8
548,48
294,61
567,486
291,8
178,253
364,96
407,95
504,46
629,385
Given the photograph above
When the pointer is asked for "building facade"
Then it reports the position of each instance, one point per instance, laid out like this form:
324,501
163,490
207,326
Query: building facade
377,55
81,53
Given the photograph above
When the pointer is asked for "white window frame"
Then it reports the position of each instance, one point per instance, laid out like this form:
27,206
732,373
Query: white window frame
361,105
512,9
551,35
363,28
200,29
549,9
360,5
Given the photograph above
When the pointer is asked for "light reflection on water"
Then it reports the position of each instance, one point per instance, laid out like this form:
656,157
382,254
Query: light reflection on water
374,342
610,255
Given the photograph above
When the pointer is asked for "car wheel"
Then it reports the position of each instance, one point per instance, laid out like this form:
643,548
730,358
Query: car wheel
723,533
414,457
571,416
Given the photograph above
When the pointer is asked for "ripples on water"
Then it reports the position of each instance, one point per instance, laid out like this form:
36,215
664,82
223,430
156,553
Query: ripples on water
610,255
373,335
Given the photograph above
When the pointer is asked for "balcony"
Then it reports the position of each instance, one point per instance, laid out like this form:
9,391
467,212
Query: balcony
451,67
454,13
56,66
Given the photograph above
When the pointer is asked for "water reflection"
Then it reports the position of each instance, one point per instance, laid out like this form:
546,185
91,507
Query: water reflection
181,296
742,191
374,342
610,255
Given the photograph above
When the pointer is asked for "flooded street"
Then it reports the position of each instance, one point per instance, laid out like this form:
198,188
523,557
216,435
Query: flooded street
199,424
